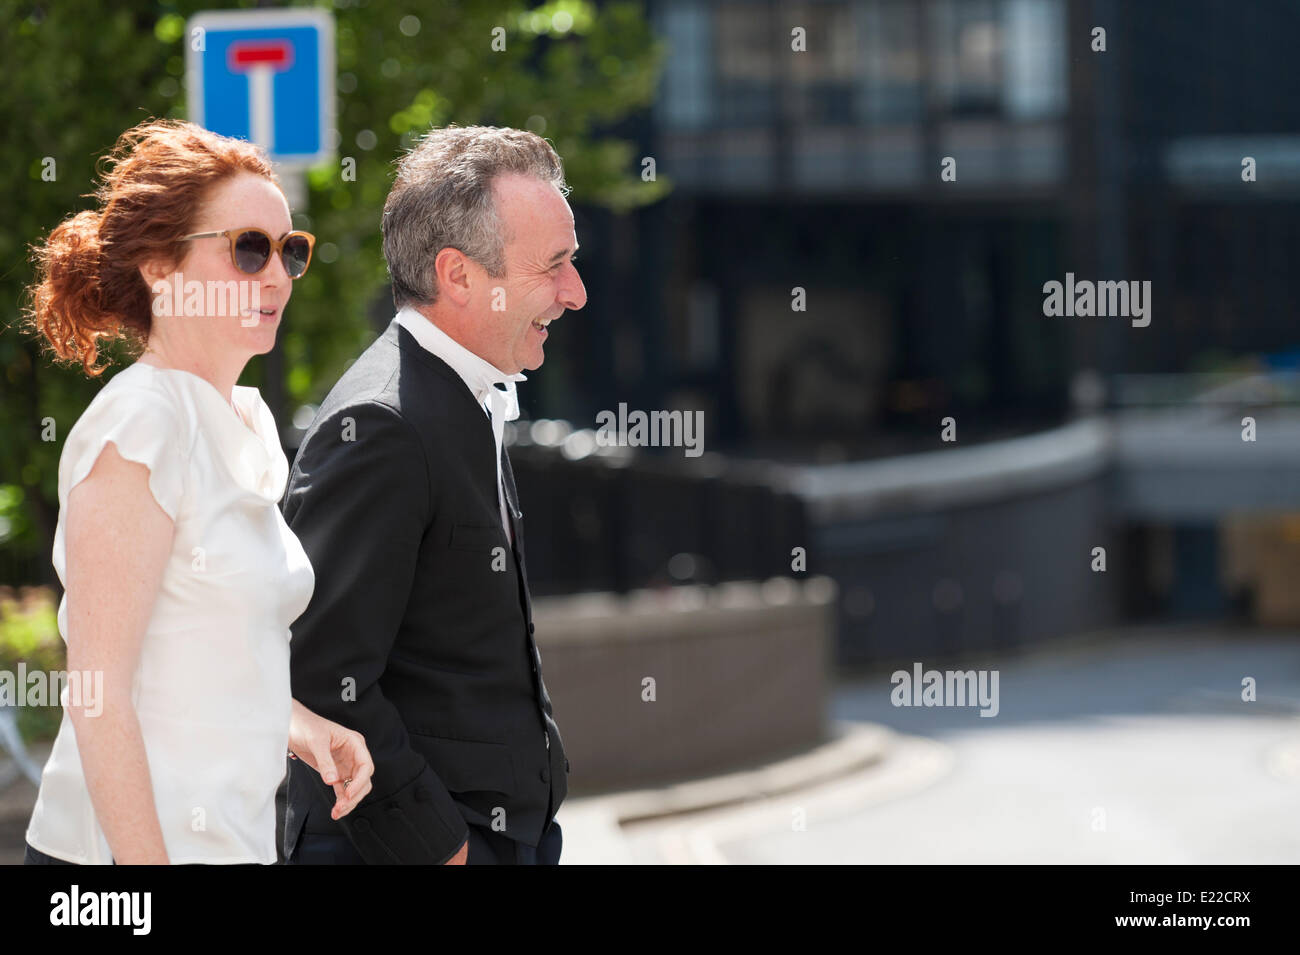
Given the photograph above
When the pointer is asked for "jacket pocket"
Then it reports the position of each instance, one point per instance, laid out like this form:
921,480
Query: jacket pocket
466,765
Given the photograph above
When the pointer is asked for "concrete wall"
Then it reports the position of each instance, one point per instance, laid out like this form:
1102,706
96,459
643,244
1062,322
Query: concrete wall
974,580
969,551
741,671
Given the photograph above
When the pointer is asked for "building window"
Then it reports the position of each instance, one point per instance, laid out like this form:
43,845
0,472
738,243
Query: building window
823,77
686,94
890,83
966,56
746,47
1035,74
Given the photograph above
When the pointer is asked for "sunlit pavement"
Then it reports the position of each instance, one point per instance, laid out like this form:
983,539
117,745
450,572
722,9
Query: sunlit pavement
1133,749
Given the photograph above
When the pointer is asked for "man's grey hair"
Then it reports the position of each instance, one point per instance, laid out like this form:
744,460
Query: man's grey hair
443,197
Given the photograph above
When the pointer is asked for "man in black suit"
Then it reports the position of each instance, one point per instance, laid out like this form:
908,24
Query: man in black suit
419,634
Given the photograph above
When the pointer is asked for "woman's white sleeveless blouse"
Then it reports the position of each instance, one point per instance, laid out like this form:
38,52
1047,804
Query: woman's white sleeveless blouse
212,685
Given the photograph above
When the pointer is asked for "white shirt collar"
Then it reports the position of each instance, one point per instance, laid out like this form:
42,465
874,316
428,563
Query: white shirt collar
478,374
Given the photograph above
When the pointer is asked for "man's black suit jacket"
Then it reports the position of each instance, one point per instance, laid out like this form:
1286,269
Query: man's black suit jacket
419,634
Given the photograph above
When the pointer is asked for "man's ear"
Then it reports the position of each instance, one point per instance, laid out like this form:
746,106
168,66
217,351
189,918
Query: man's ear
453,270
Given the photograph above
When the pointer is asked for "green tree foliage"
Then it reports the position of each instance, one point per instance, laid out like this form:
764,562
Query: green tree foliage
79,72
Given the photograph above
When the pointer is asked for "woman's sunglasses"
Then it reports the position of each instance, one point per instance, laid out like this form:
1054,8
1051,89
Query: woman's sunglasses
250,249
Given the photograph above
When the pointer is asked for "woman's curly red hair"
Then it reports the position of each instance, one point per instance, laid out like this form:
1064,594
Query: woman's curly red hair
88,287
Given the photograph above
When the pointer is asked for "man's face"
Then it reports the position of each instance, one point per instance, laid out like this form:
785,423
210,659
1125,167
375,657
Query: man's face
541,281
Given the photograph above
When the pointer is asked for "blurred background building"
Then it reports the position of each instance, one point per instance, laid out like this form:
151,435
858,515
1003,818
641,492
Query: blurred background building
821,170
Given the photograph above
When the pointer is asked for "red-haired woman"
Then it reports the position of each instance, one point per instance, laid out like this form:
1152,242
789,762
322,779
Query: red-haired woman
181,578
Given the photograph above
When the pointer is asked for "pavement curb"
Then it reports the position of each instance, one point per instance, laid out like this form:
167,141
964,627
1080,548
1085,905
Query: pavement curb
593,825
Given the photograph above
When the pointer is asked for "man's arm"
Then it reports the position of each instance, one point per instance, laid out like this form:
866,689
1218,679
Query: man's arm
359,502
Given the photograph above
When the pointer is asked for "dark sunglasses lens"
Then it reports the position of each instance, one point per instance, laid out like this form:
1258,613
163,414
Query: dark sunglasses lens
297,253
252,249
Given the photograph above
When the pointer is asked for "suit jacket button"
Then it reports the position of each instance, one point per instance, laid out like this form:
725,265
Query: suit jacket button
566,764
530,626
546,775
362,825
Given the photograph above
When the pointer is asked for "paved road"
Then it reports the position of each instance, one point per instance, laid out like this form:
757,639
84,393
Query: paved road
1137,749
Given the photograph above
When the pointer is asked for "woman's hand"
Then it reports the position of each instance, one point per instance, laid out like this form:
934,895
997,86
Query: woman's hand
336,752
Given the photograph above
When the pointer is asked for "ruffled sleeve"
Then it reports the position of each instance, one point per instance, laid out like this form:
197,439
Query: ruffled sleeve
145,428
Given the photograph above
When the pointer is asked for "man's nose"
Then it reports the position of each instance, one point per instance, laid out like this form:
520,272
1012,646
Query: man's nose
573,294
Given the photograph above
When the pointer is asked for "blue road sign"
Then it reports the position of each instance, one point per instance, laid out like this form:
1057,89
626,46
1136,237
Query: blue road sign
266,76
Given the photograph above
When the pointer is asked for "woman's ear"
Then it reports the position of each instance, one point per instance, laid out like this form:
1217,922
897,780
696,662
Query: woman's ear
164,283
154,271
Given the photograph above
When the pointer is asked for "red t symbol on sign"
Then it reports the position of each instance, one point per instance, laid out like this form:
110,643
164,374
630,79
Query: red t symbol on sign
260,59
